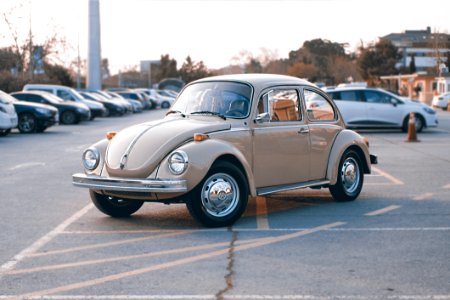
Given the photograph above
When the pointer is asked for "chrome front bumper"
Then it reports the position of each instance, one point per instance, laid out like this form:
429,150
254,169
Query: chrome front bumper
128,185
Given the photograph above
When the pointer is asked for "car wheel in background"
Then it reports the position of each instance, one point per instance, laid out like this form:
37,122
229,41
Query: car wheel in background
221,197
107,113
420,123
68,117
350,178
165,105
115,207
4,132
27,123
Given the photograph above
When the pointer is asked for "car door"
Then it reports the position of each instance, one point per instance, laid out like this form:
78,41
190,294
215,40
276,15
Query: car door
323,129
352,106
383,109
281,149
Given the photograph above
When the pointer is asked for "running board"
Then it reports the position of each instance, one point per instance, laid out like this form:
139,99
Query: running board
288,187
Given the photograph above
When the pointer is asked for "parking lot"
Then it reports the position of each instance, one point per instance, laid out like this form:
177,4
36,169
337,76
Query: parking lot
391,243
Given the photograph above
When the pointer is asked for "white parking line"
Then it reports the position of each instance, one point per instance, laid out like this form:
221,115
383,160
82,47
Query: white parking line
43,240
383,210
27,165
394,180
425,196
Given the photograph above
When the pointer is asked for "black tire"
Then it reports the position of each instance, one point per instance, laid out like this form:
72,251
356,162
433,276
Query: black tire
231,188
165,104
107,113
69,117
350,178
115,207
27,123
4,132
420,123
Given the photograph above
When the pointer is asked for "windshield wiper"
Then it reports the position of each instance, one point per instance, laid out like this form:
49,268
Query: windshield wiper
175,112
207,112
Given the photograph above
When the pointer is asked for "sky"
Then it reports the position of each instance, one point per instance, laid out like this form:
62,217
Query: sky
213,31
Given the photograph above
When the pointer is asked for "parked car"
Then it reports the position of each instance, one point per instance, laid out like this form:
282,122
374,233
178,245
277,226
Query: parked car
137,104
112,108
363,107
68,94
224,139
69,112
119,99
441,101
8,116
163,99
132,95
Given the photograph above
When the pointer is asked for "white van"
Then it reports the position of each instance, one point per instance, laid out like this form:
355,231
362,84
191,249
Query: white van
69,94
8,115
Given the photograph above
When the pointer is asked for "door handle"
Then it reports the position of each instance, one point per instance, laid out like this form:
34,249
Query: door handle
303,130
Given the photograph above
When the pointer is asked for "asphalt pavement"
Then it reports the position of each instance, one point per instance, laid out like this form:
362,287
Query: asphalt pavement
391,243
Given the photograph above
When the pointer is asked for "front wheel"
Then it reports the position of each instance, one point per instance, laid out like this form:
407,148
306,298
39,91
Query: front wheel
350,178
115,207
221,197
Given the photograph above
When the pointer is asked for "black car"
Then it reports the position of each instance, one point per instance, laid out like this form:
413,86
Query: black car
112,108
34,117
69,112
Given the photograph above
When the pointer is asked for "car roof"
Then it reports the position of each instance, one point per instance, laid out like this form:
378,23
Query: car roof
259,81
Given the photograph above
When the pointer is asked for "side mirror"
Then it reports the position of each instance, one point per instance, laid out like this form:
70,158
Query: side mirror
262,118
394,102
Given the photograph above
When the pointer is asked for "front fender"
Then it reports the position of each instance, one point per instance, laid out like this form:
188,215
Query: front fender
201,156
344,140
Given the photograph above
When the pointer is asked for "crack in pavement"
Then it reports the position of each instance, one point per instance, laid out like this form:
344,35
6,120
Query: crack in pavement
230,267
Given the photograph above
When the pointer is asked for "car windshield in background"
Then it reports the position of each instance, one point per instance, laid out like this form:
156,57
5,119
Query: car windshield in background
228,99
53,99
5,98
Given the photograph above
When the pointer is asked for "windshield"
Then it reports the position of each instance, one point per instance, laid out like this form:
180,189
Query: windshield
52,98
227,99
6,98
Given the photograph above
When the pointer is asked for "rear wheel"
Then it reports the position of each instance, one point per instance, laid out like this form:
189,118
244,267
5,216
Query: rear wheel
221,197
115,207
350,178
419,123
27,123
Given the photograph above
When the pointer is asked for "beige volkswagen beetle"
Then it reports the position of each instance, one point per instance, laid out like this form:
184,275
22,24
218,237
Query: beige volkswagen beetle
224,139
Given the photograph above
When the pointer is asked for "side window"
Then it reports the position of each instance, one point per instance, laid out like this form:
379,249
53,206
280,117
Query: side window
281,104
350,96
334,95
318,108
377,97
64,95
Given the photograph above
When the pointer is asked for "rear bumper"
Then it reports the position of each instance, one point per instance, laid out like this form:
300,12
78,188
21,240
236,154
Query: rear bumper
128,185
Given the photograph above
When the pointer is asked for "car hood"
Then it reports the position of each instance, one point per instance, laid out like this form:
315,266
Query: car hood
137,151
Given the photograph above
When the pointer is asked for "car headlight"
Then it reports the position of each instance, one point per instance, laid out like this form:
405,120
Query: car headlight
178,162
429,110
91,158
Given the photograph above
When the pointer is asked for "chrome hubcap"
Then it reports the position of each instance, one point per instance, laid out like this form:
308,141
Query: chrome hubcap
350,175
220,195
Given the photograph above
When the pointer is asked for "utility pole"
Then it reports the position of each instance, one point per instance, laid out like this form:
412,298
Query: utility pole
94,77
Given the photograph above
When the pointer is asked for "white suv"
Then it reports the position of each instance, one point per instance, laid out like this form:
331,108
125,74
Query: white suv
363,107
8,115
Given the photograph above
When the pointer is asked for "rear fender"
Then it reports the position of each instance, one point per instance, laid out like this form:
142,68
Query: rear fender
346,139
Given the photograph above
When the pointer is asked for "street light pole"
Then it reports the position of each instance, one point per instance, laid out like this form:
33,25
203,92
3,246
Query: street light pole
94,78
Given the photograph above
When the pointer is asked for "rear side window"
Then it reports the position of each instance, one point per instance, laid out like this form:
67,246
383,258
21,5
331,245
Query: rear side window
318,108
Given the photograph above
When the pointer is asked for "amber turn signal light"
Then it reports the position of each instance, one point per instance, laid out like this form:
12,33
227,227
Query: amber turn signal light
110,135
366,141
198,137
